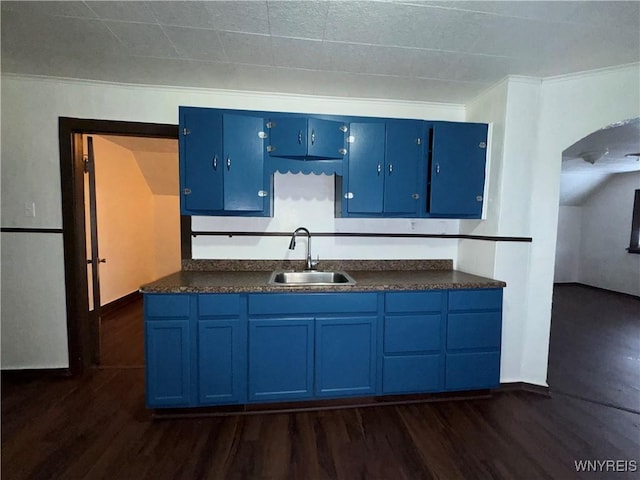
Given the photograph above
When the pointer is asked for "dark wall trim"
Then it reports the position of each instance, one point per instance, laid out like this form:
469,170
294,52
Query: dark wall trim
30,373
364,234
524,387
121,302
185,237
30,230
577,284
634,241
70,131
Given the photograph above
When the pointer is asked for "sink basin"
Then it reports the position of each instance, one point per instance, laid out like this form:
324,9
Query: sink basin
310,277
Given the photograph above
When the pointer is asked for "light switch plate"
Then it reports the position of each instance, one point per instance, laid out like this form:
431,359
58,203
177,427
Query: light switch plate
29,209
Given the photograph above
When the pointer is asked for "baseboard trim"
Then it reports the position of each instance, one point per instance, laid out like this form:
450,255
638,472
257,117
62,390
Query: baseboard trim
29,373
597,402
578,284
524,387
317,405
119,303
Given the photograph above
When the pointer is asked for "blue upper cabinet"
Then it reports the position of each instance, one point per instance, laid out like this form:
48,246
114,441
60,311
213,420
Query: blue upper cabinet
384,169
365,187
201,157
306,137
458,157
403,153
222,164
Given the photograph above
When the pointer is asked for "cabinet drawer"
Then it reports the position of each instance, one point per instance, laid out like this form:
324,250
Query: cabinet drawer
218,305
414,373
484,299
167,306
414,301
465,371
474,330
412,333
314,303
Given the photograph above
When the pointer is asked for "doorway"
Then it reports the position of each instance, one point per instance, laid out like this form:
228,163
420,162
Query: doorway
83,335
133,212
593,351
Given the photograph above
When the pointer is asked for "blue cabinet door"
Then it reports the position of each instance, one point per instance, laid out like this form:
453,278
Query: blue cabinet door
221,361
402,156
325,139
280,359
345,356
243,164
457,169
365,191
305,137
168,372
201,168
288,137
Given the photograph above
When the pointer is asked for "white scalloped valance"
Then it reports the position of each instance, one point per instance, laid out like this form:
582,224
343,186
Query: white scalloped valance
306,167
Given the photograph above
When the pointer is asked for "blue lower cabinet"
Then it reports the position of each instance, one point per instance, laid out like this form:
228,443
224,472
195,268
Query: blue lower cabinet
474,332
168,372
216,349
221,362
469,371
345,356
280,359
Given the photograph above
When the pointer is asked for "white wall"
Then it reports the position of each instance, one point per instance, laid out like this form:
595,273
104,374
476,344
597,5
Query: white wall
606,229
537,120
571,108
31,173
512,108
308,200
567,267
33,301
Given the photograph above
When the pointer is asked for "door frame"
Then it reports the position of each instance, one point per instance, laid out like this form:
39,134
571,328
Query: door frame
70,130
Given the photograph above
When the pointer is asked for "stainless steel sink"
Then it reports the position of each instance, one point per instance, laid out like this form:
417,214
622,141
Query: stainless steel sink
310,277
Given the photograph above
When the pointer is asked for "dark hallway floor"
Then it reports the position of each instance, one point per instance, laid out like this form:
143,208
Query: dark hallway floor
98,427
122,338
594,350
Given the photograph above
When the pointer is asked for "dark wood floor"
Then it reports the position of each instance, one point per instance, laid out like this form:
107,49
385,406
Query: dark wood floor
97,427
122,339
594,350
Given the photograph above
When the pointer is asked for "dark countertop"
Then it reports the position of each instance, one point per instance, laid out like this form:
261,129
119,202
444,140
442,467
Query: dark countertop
366,280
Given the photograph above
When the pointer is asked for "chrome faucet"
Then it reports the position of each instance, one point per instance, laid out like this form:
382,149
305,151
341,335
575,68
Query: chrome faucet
292,245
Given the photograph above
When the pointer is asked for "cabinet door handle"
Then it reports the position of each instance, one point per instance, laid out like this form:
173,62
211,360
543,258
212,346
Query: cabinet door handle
390,168
379,169
313,137
228,162
437,168
215,162
299,137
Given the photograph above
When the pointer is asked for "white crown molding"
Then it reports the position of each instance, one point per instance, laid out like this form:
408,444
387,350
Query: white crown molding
247,94
592,73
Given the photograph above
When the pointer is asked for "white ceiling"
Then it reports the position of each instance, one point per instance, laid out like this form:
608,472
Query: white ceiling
607,148
430,51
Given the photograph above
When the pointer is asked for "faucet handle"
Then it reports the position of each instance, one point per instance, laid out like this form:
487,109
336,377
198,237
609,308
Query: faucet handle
315,263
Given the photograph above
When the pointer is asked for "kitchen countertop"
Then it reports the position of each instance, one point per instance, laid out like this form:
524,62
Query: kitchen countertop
375,278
